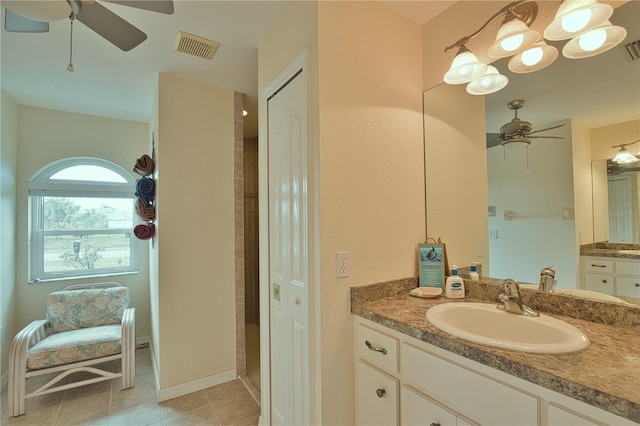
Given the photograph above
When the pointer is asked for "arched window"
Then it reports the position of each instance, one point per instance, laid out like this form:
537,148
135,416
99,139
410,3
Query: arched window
81,220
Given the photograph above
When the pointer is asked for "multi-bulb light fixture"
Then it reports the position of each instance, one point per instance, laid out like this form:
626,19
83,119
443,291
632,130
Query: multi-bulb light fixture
585,22
624,156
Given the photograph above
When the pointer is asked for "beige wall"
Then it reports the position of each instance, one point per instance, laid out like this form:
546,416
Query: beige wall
368,148
44,136
8,164
194,284
602,138
371,170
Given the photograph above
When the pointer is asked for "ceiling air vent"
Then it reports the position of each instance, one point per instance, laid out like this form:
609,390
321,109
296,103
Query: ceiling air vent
196,46
633,49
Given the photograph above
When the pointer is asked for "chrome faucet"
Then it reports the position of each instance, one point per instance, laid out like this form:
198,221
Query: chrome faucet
547,279
511,300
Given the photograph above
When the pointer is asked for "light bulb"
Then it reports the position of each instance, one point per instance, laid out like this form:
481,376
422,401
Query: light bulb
592,40
576,20
532,56
512,43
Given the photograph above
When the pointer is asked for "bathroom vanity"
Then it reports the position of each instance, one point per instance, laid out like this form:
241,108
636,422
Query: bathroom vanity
410,372
611,269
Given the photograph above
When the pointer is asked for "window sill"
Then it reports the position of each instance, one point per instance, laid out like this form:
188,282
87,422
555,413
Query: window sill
84,277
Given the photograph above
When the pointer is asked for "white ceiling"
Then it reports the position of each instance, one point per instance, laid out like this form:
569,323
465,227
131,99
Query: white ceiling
112,83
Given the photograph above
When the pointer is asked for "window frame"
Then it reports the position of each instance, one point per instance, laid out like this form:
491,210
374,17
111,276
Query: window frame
40,186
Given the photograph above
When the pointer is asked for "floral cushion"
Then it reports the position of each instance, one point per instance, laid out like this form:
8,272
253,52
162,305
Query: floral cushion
74,309
75,346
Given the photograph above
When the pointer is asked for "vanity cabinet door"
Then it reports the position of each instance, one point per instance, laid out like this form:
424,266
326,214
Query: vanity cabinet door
628,286
377,396
418,409
599,282
558,416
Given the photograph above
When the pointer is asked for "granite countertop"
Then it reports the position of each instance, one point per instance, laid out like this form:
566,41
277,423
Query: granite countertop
605,375
609,250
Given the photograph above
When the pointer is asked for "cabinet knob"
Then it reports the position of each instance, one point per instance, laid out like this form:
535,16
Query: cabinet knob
604,281
380,393
637,284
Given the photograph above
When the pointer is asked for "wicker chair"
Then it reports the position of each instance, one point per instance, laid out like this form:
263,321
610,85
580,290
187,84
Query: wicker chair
86,325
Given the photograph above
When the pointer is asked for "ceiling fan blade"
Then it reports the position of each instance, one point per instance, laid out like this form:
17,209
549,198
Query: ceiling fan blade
544,137
493,139
110,26
17,24
160,6
547,128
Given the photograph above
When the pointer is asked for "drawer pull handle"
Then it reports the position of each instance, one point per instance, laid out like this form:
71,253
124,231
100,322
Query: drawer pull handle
380,393
373,348
598,266
434,424
637,284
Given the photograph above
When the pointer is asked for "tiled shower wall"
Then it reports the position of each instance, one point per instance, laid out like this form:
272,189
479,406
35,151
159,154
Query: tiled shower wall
251,275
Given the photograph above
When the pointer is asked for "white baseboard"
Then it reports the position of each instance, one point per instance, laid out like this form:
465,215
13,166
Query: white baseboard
4,380
142,341
190,387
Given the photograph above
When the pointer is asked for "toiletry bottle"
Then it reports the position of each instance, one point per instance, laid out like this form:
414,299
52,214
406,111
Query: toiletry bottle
454,287
474,275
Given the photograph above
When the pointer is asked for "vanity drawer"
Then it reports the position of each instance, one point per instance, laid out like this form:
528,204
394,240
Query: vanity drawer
471,394
599,265
599,282
624,267
377,348
628,286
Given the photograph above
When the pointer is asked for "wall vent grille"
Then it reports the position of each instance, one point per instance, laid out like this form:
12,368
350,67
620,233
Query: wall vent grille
196,46
633,49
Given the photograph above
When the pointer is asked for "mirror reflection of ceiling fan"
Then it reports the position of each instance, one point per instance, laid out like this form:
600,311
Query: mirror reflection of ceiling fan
517,133
29,16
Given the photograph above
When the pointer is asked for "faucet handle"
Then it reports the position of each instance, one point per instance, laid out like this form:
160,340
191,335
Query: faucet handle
511,288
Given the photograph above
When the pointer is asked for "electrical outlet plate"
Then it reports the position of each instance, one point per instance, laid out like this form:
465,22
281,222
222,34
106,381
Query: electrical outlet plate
342,264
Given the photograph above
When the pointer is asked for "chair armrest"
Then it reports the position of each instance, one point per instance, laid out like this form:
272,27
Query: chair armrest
25,339
129,328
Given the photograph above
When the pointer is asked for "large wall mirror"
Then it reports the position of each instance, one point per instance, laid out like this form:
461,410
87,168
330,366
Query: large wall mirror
546,200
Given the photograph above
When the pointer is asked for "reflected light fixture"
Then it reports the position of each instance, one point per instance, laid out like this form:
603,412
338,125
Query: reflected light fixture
538,56
594,41
623,156
575,17
490,82
585,22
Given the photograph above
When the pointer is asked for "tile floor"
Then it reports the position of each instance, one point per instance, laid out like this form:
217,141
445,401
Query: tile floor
106,404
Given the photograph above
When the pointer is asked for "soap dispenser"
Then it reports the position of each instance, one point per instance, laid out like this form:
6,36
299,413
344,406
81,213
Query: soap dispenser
454,286
474,275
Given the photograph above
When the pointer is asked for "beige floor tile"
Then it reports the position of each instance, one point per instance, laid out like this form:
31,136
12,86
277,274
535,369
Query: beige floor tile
232,402
86,391
125,398
91,410
142,414
251,421
200,416
181,405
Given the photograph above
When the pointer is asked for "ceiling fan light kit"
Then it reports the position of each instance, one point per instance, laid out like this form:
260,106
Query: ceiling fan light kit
585,22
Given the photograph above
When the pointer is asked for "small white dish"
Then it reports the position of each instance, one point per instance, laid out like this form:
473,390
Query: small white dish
426,292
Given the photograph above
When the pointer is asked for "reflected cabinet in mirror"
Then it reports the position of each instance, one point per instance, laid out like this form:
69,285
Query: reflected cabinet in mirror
554,200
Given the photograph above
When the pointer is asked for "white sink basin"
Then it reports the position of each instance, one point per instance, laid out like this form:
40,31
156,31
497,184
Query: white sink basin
486,324
587,294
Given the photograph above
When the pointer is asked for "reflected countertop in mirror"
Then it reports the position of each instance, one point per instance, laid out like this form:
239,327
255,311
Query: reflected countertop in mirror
622,251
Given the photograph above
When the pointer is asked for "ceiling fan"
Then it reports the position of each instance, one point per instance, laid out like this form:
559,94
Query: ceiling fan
34,16
517,132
